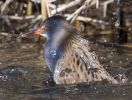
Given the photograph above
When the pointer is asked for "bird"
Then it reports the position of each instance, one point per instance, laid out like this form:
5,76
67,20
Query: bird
68,55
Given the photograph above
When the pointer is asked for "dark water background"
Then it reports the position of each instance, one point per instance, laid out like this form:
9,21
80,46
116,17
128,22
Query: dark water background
24,74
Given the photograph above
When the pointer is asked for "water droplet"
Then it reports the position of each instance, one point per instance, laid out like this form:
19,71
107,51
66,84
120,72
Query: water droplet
84,41
94,55
95,88
117,23
124,94
86,45
67,90
4,78
57,70
97,92
12,70
89,49
53,53
111,61
127,59
105,40
82,56
75,89
90,65
112,52
102,58
120,62
62,64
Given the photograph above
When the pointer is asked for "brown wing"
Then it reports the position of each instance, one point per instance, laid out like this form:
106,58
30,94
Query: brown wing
80,64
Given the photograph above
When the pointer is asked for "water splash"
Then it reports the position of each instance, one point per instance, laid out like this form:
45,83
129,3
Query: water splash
3,77
89,49
82,55
94,55
60,67
84,41
62,64
89,65
53,53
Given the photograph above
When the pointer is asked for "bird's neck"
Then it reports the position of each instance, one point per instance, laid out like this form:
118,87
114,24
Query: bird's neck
55,46
52,54
54,49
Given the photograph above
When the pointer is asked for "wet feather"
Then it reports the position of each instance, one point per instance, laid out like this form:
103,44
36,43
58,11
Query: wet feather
73,61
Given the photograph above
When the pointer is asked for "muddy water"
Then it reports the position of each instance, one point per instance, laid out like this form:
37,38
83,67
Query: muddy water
24,74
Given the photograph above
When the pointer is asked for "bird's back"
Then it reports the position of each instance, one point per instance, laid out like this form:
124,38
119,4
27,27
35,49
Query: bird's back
79,64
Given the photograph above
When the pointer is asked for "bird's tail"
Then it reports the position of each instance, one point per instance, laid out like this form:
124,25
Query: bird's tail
104,75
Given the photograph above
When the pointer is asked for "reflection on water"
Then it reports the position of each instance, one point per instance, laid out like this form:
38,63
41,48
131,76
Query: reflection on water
24,75
83,92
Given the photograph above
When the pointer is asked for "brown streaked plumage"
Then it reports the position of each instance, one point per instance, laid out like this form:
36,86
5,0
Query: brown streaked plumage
80,64
69,56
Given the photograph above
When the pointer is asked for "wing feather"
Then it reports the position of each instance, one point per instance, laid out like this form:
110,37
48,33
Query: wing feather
80,64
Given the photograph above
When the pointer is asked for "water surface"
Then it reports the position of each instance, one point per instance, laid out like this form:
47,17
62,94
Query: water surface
24,74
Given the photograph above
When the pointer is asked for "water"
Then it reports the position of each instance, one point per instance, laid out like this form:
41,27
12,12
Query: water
24,75
84,92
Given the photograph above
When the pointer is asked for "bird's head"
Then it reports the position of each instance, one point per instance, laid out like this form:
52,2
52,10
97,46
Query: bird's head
55,29
49,27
